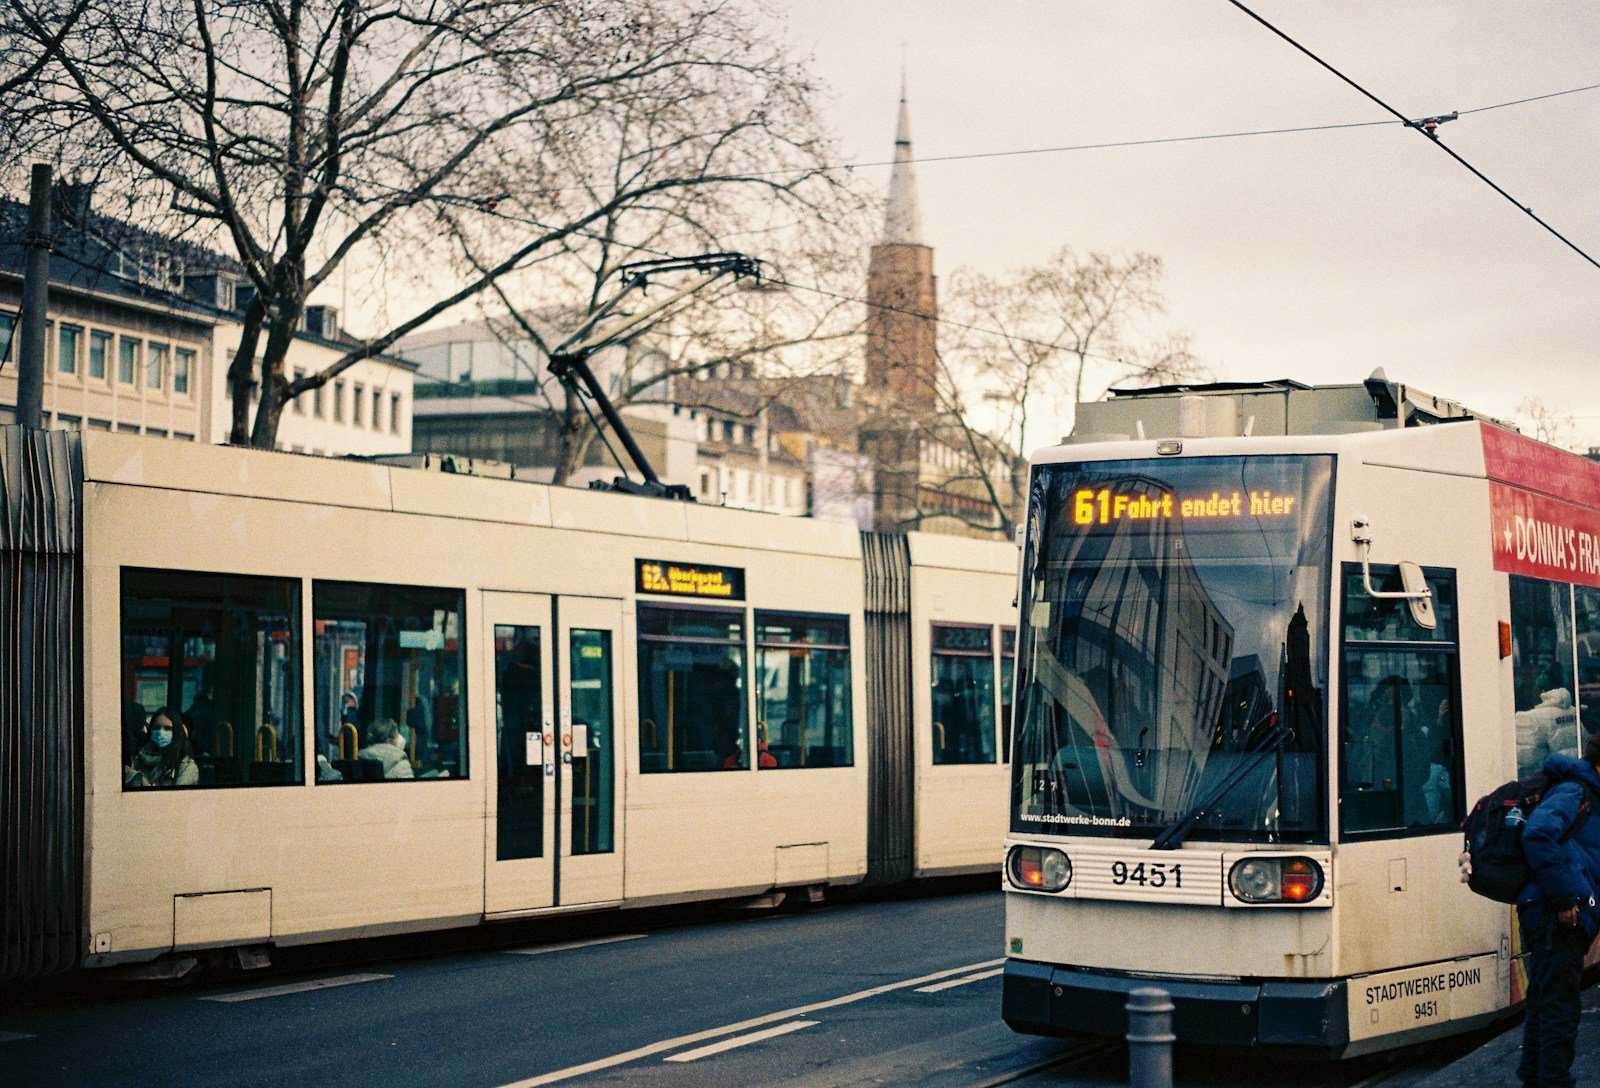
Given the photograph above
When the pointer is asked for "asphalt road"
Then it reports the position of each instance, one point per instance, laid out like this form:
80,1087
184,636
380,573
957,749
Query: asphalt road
897,992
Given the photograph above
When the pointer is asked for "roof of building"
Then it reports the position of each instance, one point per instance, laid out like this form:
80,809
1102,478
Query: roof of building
902,220
108,256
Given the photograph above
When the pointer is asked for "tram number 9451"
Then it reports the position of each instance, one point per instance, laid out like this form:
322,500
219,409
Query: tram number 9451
1154,874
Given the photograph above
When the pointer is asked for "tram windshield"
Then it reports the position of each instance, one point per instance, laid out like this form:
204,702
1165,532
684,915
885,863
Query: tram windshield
1173,648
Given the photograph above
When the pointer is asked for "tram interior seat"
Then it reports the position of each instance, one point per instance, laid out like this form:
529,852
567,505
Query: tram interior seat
652,762
359,770
825,755
787,755
217,770
699,759
270,772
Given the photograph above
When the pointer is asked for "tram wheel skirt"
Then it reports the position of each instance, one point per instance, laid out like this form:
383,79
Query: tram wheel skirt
1042,999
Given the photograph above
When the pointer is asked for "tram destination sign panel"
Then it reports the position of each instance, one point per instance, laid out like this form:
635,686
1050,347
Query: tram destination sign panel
700,580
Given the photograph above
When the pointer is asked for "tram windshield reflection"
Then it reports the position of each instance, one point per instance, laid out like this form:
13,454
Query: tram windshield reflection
1175,614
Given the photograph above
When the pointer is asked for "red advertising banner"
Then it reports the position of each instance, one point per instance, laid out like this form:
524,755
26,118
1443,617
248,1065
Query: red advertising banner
1543,537
1521,462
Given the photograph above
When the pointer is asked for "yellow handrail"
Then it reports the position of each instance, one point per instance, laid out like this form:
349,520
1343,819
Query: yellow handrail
269,750
226,729
350,732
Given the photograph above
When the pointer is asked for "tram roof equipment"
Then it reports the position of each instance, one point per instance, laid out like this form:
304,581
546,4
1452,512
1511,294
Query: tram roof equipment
1281,406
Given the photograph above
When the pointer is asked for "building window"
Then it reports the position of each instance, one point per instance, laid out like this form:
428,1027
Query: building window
963,694
8,329
216,657
298,405
155,366
377,409
358,405
805,709
390,682
691,690
67,348
99,350
394,413
338,401
182,370
128,361
318,409
1399,763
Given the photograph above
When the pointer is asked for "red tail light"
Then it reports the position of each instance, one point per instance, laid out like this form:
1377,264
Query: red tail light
1300,881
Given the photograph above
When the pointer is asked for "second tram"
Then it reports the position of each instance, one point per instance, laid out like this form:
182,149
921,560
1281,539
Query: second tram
1268,655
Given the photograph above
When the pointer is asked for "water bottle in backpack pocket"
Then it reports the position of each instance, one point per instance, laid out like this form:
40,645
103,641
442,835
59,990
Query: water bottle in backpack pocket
1493,832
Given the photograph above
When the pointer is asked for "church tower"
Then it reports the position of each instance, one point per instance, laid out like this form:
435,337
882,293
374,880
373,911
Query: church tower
902,290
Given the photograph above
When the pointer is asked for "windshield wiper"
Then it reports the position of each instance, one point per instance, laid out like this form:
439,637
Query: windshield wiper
1183,827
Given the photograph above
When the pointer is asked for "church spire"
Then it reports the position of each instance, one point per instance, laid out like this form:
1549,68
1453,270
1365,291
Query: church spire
902,222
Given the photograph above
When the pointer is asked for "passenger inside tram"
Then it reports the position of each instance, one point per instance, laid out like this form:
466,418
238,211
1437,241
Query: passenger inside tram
163,760
386,743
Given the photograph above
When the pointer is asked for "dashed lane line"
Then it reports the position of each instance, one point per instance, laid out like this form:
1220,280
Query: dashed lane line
954,982
744,1025
293,988
739,1040
568,946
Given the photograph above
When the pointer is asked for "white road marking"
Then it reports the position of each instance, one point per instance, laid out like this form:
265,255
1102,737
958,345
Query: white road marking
744,1025
568,946
950,984
13,1036
294,988
739,1040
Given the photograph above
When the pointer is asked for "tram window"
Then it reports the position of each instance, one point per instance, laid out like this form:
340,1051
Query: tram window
1586,611
594,749
519,732
804,665
691,690
390,687
1008,668
221,651
1541,667
963,694
1399,771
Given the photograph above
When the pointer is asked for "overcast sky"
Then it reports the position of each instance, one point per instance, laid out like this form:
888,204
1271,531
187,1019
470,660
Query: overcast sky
1315,256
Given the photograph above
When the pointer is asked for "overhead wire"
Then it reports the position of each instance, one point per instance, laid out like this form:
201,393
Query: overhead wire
1410,123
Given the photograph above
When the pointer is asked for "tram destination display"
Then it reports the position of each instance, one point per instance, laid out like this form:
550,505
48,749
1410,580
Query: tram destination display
689,580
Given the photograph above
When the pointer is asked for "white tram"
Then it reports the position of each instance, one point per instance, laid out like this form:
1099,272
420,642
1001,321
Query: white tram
1244,739
414,700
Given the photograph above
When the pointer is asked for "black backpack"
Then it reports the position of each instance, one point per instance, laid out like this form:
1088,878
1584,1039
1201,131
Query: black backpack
1494,835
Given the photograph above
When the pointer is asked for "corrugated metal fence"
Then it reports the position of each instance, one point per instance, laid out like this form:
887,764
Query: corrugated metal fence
41,745
891,755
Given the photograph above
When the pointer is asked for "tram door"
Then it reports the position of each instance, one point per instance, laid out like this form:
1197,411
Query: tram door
589,759
554,785
521,778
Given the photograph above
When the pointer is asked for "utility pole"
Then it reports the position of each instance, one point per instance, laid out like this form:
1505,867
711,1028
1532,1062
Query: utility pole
35,300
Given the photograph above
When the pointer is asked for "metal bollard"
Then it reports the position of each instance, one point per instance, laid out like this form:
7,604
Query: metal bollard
1150,1038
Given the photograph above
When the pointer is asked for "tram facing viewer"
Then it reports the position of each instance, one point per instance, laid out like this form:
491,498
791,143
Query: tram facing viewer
1559,912
163,759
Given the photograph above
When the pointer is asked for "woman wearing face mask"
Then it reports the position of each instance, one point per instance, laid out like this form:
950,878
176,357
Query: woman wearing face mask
164,758
386,743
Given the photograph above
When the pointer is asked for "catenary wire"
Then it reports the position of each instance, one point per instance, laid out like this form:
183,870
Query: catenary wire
1479,174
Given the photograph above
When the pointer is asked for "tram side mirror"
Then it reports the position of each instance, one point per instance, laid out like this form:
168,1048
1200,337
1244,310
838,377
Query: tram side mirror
1419,598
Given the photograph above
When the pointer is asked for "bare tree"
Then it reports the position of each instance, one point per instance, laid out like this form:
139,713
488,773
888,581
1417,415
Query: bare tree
1021,348
1547,424
766,339
439,144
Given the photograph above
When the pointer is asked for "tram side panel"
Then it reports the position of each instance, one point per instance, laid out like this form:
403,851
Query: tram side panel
218,866
963,626
1398,899
795,813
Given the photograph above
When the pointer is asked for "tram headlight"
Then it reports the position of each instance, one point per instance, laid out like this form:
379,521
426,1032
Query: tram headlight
1040,868
1275,880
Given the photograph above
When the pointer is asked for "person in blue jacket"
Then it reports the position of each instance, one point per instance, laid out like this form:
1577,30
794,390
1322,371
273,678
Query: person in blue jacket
1559,911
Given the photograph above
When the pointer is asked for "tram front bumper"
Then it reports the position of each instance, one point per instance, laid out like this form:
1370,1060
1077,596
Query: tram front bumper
1043,999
